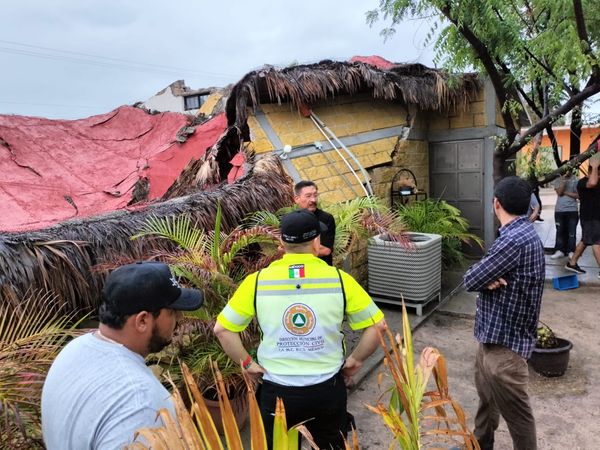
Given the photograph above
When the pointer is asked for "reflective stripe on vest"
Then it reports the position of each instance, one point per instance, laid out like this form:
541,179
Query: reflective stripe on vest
301,323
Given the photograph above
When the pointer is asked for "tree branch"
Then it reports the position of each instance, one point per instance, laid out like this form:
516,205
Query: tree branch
554,144
576,99
481,50
575,162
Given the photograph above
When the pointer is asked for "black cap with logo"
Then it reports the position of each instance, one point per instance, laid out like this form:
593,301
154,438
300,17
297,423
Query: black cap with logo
147,286
300,226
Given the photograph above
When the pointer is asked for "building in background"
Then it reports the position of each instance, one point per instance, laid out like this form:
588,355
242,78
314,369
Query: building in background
177,97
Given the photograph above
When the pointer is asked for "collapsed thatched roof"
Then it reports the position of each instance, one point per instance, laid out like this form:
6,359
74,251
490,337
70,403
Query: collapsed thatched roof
303,85
61,258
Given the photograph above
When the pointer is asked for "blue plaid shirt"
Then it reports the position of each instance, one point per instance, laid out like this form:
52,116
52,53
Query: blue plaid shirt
509,315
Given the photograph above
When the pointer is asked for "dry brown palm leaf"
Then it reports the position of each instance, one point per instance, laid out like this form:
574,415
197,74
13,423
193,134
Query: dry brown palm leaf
32,332
416,417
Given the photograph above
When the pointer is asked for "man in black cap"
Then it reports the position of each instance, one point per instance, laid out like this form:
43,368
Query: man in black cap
300,303
306,196
99,390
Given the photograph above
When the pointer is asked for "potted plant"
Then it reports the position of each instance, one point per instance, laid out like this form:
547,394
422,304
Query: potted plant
550,356
439,217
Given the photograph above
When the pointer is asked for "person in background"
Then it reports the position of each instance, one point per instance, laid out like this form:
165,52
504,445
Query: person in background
536,193
510,282
99,391
533,212
300,303
306,196
588,189
566,215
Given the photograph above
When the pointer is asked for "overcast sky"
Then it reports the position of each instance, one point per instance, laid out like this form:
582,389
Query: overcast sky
76,58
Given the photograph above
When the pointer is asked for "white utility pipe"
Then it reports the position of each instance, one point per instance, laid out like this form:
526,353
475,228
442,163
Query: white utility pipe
361,168
312,117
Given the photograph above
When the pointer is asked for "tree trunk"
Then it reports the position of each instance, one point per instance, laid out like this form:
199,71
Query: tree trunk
575,133
499,166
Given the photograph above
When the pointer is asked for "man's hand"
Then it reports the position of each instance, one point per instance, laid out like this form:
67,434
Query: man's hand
500,282
351,368
594,161
255,372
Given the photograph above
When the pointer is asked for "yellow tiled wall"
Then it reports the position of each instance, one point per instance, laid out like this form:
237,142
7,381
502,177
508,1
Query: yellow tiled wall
346,116
474,116
209,104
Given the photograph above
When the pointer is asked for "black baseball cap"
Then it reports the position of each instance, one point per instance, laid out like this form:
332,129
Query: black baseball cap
300,226
147,286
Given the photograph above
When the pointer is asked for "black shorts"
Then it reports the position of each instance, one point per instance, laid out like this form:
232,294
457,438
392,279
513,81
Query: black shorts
590,232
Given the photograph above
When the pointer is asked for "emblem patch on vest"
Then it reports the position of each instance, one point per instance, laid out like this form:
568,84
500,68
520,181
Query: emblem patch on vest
296,271
299,319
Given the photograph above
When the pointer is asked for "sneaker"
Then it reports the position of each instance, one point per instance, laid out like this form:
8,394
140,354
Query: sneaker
539,219
557,254
574,268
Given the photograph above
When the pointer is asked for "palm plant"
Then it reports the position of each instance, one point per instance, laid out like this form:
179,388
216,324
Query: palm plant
32,332
416,417
195,429
215,262
212,261
439,217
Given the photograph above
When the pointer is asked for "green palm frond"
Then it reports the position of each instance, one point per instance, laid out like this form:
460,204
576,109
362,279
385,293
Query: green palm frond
439,217
32,332
266,218
177,229
216,241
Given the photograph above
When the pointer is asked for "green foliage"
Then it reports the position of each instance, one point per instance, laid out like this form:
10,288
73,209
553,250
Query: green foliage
32,332
439,217
542,164
545,337
525,36
214,262
539,54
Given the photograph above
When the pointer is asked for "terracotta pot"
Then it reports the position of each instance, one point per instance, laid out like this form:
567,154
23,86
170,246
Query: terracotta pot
551,362
239,405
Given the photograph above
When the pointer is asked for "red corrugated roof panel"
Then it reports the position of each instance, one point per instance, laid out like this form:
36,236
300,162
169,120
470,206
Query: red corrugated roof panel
55,170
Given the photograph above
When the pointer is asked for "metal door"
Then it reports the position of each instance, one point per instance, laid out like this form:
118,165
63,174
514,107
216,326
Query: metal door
456,174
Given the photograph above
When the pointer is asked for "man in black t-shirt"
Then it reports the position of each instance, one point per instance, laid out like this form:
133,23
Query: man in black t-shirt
589,216
306,196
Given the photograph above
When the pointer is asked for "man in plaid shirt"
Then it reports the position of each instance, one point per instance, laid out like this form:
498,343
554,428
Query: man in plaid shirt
510,281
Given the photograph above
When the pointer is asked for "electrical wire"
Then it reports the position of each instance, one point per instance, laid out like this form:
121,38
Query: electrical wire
100,61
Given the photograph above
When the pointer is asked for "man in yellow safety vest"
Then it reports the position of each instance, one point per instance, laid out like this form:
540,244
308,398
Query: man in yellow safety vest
300,303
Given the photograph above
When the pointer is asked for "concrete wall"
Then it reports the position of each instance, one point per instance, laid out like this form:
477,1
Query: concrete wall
165,101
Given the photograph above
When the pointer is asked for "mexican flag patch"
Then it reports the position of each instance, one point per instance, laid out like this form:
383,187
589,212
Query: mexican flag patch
296,271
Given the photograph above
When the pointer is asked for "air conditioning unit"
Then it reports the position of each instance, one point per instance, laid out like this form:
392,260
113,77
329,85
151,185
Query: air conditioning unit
411,272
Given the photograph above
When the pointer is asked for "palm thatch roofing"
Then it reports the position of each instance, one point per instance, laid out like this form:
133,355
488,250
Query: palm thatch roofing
65,258
304,85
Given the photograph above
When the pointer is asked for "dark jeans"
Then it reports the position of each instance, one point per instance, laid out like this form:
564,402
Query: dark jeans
566,228
323,405
501,378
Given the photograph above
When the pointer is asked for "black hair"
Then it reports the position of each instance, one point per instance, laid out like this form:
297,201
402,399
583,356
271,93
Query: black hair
514,194
113,319
303,184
